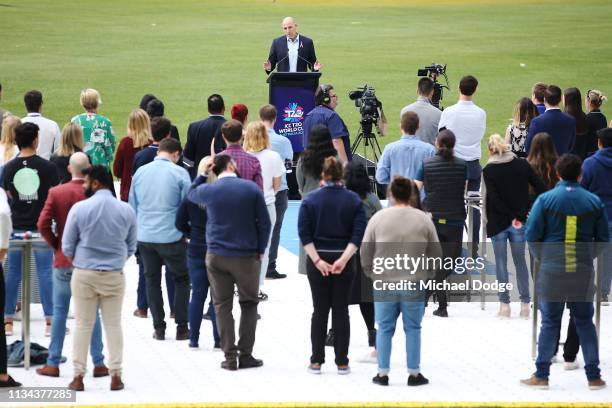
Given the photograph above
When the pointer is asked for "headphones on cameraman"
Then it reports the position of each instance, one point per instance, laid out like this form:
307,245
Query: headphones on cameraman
324,96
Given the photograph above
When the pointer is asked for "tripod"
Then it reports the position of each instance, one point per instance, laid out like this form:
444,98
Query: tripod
368,141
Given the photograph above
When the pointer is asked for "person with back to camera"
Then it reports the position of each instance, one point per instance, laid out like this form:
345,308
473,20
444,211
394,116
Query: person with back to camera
596,120
572,100
516,133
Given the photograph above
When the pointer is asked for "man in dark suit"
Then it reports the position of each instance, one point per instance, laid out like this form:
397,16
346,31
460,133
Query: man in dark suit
200,135
559,125
292,52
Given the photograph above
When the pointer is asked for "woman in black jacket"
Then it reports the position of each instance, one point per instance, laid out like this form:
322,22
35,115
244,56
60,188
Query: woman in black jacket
507,179
331,224
444,178
596,120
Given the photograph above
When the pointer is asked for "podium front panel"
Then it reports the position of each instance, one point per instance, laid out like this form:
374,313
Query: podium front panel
292,104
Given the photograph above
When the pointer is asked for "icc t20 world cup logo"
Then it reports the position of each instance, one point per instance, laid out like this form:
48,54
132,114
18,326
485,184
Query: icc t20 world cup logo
293,113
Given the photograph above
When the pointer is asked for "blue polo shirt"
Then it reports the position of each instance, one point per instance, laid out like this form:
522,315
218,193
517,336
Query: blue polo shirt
282,146
322,115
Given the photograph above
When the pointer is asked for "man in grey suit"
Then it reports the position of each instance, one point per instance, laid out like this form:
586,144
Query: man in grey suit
429,115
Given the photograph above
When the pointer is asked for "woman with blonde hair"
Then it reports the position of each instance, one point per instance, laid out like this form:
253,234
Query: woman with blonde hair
257,142
71,142
138,137
507,179
596,120
516,134
98,132
8,146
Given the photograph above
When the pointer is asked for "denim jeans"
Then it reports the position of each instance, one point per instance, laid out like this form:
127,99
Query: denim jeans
61,303
606,279
264,260
199,288
43,258
141,291
281,205
582,312
386,317
517,247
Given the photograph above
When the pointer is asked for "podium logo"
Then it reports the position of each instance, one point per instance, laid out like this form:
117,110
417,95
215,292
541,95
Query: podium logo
293,113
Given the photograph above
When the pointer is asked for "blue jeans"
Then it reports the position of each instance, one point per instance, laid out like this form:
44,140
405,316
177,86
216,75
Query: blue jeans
141,291
517,247
606,279
386,317
582,312
199,288
61,303
43,258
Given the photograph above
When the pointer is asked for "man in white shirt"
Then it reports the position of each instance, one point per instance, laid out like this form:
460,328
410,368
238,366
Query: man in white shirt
49,133
468,122
429,115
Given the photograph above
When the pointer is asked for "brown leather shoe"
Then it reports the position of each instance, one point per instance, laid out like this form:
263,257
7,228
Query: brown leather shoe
48,371
140,313
77,383
101,371
116,383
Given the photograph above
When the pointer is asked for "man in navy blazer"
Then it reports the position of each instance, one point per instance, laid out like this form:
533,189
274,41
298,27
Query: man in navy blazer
292,52
200,135
559,125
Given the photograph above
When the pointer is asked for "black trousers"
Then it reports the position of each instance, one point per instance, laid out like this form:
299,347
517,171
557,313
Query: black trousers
2,332
572,342
174,256
330,292
450,237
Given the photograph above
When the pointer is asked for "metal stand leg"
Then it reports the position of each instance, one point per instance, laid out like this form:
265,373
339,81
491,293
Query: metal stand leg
25,302
470,248
483,255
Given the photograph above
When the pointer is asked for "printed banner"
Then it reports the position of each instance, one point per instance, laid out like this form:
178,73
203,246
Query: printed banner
292,104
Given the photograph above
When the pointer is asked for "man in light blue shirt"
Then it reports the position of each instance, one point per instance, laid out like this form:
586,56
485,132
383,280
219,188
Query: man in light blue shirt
282,146
404,157
99,236
157,191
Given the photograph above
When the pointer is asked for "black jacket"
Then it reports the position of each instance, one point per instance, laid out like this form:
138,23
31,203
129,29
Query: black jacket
199,137
444,183
507,195
595,121
279,52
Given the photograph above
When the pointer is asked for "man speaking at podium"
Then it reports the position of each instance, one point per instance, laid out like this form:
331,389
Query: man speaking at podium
292,52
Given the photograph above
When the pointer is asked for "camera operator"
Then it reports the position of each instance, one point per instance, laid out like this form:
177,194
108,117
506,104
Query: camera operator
326,101
429,115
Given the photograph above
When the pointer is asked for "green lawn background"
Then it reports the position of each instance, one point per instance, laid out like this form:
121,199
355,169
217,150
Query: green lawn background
185,50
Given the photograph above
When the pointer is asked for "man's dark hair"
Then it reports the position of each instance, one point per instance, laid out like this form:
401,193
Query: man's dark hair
322,94
552,95
169,145
232,131
160,127
101,174
267,113
25,134
468,85
220,163
33,101
538,91
605,135
425,86
155,108
568,167
410,122
145,101
215,104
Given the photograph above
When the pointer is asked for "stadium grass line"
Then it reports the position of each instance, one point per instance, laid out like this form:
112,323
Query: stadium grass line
405,404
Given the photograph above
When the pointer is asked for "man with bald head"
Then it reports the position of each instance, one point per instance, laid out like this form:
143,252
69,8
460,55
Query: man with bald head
292,52
59,202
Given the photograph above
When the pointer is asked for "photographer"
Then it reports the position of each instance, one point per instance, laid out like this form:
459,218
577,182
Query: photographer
326,101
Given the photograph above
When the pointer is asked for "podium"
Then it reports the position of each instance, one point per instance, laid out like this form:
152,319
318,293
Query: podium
292,93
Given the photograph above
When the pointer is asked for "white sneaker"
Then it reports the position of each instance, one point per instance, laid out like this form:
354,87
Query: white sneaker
604,301
369,358
571,365
525,310
504,311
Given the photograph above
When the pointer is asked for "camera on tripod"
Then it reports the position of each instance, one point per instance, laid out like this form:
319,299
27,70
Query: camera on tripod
434,71
365,99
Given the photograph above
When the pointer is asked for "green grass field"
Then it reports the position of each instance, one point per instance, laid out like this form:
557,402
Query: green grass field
185,50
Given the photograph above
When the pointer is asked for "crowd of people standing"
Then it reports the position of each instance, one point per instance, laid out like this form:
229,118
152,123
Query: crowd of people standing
210,214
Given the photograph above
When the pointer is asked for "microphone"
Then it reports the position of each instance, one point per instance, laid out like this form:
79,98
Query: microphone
278,63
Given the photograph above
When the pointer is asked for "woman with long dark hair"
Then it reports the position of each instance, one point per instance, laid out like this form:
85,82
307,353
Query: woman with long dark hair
542,158
310,164
572,99
516,134
331,223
